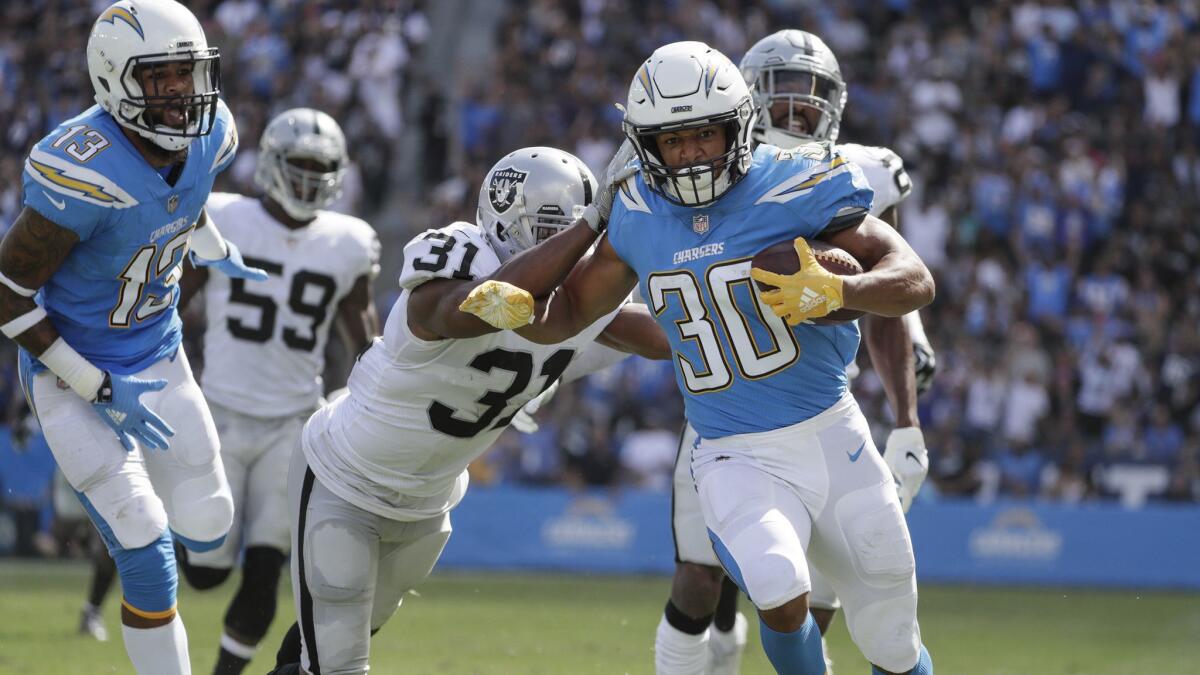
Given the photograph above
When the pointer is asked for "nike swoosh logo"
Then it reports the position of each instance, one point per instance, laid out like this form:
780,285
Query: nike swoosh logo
58,203
854,457
913,456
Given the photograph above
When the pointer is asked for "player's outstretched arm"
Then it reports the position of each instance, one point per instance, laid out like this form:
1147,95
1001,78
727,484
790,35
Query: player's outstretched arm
357,316
633,330
895,283
597,286
434,308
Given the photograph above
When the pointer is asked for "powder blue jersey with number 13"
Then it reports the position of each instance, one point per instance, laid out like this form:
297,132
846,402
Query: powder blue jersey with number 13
114,297
742,369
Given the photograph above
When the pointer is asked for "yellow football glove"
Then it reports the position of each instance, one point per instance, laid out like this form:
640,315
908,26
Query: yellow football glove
500,304
810,293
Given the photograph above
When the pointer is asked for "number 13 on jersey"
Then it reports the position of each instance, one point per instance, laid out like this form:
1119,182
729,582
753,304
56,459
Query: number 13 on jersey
134,302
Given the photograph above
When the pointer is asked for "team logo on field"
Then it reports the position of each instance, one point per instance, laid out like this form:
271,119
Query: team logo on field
700,223
172,203
502,189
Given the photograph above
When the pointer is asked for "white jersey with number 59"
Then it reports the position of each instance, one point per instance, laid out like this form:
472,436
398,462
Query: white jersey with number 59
884,171
264,349
419,411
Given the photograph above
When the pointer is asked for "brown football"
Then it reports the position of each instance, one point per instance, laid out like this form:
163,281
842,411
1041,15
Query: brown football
781,258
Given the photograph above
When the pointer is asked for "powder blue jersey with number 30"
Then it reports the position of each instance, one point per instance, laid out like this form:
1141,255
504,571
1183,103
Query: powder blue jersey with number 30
114,297
742,369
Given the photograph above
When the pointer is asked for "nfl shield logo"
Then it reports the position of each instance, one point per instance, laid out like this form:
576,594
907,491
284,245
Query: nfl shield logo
700,223
172,203
502,188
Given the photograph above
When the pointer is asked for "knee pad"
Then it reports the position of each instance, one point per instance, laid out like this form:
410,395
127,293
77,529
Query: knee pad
148,579
253,607
336,561
139,521
203,526
766,560
878,539
887,632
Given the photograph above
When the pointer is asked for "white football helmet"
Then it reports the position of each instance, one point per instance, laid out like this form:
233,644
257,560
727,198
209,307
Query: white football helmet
290,138
135,33
686,85
788,71
531,195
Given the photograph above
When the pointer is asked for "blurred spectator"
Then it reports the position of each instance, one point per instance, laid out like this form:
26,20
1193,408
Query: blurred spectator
1053,147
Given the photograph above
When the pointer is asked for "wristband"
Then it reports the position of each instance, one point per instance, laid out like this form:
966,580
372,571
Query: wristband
70,367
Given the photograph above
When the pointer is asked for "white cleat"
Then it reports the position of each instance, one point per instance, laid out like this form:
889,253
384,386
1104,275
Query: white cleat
725,649
91,622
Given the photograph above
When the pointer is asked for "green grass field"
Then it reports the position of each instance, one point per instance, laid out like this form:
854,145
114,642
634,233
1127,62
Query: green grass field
516,624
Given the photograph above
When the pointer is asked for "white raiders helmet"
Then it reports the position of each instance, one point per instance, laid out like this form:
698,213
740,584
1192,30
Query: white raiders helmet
685,85
791,70
302,187
531,195
133,34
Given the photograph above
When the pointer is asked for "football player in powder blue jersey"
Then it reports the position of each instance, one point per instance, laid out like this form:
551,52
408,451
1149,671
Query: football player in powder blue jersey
114,198
785,467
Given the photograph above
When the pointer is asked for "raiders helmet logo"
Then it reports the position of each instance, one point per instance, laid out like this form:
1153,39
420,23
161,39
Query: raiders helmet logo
502,189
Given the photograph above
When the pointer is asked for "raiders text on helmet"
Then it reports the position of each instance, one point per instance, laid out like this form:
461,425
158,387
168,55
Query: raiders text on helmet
531,195
687,85
135,34
789,71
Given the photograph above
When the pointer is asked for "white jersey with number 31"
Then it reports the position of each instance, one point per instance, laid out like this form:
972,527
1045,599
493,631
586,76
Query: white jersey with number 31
420,411
264,349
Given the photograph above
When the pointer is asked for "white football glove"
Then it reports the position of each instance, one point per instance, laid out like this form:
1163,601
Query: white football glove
908,460
620,167
523,421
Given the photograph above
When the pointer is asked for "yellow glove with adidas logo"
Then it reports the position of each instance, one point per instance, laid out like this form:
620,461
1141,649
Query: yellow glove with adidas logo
810,293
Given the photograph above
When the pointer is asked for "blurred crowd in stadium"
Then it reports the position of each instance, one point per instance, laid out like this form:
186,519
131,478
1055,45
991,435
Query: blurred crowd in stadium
1053,146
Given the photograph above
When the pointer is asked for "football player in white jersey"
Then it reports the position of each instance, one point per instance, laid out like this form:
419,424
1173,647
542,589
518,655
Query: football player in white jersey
378,470
800,94
264,350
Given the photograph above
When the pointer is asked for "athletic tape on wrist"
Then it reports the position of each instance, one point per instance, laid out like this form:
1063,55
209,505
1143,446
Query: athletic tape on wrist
70,366
208,243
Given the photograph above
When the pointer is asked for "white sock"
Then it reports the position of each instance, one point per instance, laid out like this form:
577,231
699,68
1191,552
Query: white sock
677,653
725,648
162,650
828,658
